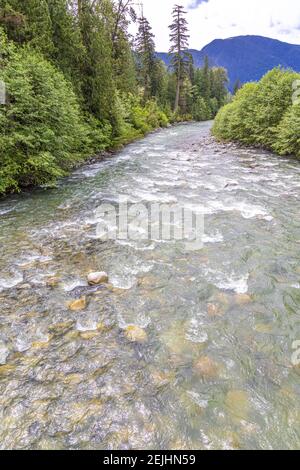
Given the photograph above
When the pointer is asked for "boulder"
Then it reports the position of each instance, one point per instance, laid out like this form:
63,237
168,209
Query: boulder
206,367
97,278
135,334
78,304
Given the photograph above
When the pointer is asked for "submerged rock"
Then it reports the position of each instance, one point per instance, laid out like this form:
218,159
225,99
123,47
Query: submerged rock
97,278
242,299
161,378
206,367
135,334
76,305
53,281
238,403
215,310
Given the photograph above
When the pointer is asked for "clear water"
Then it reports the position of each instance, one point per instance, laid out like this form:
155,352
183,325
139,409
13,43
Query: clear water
215,371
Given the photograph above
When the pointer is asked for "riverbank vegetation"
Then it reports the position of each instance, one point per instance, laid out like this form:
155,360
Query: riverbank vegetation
78,83
266,114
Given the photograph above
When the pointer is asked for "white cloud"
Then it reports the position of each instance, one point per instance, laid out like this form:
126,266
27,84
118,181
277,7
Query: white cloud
212,19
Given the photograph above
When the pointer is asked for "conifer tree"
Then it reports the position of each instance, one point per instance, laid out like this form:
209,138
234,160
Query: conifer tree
179,39
28,21
237,85
97,86
123,60
146,58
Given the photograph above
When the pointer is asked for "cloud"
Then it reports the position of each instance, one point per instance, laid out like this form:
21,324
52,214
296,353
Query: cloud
211,19
196,3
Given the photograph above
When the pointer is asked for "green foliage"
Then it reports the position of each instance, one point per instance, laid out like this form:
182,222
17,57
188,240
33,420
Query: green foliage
42,131
209,91
137,119
200,109
179,39
288,133
263,114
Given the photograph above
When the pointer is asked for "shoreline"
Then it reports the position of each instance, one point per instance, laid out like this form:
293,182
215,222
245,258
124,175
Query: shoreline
97,158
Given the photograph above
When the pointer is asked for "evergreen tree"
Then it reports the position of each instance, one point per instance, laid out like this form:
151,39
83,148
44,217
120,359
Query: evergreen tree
28,22
122,12
237,85
206,79
68,50
146,59
179,44
98,85
218,85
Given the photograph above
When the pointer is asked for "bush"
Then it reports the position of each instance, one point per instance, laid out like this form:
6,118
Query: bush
135,120
200,110
262,114
288,133
42,132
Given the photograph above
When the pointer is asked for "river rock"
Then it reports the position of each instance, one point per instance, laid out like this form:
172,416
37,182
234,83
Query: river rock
53,281
238,403
206,367
160,378
78,304
242,299
135,334
215,310
223,299
95,279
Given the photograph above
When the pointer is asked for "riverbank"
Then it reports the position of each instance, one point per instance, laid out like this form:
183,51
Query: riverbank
96,158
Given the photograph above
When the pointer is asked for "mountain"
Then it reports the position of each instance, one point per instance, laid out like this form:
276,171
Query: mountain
247,58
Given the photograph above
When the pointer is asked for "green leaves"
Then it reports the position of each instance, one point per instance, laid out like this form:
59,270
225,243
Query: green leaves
263,114
42,128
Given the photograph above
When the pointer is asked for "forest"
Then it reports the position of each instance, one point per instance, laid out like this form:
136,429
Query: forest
265,114
78,83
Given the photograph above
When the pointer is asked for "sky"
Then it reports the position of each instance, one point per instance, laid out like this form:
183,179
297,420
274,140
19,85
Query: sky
219,19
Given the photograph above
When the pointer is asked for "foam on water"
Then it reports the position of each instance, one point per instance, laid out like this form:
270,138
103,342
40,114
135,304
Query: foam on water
195,332
248,211
86,324
217,238
11,281
228,281
6,211
4,353
72,284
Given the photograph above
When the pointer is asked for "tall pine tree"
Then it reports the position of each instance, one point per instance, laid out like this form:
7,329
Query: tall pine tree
179,39
146,58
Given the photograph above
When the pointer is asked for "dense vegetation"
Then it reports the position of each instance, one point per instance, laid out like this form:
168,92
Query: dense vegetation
77,83
264,114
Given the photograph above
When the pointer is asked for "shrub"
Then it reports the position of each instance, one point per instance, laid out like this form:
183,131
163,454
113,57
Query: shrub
262,114
135,120
42,132
288,133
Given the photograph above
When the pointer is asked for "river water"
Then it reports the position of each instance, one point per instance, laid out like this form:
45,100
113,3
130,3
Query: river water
214,368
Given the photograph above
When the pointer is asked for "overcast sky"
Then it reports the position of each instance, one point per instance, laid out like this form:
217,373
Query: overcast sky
212,19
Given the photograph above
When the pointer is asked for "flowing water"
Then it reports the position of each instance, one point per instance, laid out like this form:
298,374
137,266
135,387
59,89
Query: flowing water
212,367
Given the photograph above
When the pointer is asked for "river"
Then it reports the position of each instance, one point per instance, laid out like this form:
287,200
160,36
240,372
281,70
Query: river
214,368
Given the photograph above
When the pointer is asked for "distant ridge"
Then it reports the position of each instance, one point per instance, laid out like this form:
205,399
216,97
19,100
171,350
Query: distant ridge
247,58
